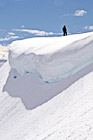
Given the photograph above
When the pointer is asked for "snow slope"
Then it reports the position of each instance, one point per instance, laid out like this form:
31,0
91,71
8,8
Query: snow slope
38,69
3,54
53,58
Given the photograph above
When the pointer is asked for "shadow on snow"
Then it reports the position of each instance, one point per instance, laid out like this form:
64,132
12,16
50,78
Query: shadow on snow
33,91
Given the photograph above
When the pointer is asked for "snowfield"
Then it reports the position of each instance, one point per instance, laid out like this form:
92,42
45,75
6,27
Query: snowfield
53,58
3,54
46,89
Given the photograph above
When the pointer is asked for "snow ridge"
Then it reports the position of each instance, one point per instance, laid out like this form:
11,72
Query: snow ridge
36,70
53,66
67,116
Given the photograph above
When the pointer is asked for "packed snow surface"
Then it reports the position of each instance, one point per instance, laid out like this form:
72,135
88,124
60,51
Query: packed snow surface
53,59
54,79
3,54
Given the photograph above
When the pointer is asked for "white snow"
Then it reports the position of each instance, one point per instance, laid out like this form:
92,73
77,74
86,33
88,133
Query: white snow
54,79
3,54
53,58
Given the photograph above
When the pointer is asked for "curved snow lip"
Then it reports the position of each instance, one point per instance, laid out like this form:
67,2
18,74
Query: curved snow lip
31,74
55,66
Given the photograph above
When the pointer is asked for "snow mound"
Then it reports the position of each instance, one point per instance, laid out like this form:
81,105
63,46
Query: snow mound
53,59
34,64
67,116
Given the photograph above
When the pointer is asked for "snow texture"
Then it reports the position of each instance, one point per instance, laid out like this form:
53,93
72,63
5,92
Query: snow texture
54,79
3,54
53,59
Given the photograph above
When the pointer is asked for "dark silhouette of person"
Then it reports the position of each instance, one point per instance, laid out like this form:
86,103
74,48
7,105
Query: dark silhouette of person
64,30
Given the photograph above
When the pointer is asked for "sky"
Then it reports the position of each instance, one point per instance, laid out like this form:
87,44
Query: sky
30,18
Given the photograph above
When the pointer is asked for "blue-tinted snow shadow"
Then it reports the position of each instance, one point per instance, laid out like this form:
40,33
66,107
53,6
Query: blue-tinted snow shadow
2,61
34,92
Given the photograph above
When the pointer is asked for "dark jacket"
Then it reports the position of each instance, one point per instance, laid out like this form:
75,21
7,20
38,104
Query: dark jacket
64,30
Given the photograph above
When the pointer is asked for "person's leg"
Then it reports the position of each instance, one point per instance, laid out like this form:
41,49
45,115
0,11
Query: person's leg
66,33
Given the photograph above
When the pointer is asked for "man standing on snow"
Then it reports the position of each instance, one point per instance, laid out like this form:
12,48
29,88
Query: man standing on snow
64,30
